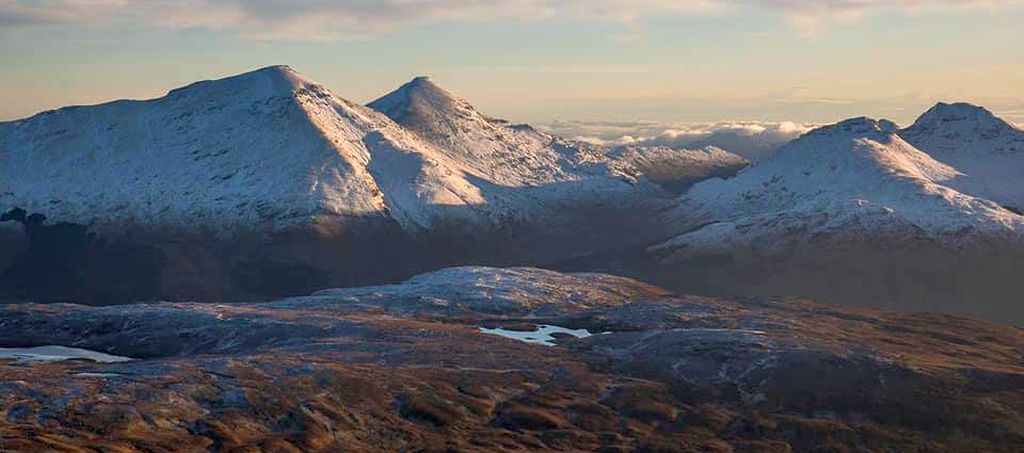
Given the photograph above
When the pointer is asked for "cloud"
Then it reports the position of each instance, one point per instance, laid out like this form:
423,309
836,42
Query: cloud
750,139
812,17
347,19
326,19
43,12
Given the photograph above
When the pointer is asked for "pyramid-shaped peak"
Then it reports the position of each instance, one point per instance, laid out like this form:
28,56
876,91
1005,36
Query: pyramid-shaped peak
424,87
421,97
423,84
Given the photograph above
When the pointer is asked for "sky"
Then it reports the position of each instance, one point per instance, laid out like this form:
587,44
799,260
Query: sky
555,62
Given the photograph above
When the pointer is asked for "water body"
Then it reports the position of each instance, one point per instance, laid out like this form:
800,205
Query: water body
54,353
543,334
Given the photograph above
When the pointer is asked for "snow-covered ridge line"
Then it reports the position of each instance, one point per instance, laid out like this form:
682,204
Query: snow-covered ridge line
851,181
271,149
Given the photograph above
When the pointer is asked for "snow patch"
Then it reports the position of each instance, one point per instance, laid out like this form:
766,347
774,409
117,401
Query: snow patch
53,353
544,334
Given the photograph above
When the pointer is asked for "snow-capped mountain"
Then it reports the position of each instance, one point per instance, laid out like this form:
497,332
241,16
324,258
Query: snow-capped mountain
508,154
519,155
270,149
987,151
224,188
848,213
855,180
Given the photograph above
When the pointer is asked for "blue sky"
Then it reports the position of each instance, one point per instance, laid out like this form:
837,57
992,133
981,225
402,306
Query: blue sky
538,60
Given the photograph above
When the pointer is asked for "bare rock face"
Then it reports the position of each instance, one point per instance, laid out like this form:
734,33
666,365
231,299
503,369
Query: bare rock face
408,364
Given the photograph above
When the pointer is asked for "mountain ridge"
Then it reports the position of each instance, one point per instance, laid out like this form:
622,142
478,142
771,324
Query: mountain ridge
268,183
850,213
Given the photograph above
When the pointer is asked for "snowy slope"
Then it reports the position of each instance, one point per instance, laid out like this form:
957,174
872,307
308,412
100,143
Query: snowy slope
986,150
507,154
267,148
540,165
676,169
492,290
856,180
270,149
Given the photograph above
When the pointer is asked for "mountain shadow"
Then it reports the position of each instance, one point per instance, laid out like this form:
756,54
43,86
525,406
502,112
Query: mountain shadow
66,262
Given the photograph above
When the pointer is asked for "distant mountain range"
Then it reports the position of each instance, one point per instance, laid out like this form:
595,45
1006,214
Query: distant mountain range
267,184
863,211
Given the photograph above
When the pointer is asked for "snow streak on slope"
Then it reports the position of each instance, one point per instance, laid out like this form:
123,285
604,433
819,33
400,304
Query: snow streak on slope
987,151
856,180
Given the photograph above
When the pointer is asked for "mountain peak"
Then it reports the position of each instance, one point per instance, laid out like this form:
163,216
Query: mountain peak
964,129
421,97
961,116
270,81
859,126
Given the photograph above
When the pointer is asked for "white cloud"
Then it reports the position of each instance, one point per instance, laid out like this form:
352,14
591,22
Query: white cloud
343,19
750,139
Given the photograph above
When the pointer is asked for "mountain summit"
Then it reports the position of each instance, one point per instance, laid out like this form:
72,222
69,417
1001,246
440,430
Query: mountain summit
852,213
510,154
852,180
987,151
421,99
961,121
262,150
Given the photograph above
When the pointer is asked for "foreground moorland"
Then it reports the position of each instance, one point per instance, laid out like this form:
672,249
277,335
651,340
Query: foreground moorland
425,366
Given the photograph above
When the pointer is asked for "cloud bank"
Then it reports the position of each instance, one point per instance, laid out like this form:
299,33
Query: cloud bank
350,19
750,139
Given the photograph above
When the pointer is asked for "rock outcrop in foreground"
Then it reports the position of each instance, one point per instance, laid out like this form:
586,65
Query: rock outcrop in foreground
408,366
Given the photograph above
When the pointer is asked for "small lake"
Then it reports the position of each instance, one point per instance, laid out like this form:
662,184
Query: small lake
57,354
543,334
